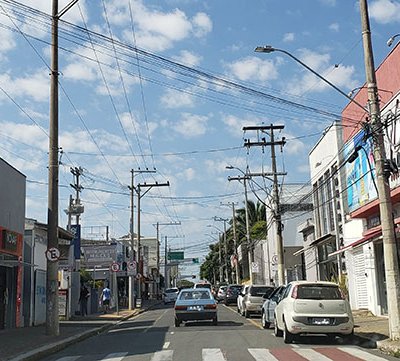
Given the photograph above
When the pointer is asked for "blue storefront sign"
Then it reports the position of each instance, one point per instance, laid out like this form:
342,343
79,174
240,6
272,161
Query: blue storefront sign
76,231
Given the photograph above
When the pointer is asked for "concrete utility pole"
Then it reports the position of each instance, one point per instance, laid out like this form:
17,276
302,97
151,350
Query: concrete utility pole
219,219
277,213
76,172
385,204
232,204
52,322
139,196
131,281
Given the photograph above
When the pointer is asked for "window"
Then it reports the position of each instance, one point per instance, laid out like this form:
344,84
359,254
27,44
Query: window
318,292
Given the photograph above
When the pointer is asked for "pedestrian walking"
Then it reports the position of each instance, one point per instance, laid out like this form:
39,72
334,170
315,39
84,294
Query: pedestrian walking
106,298
83,300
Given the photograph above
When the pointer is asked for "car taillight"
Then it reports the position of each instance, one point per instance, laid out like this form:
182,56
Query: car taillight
294,292
210,307
180,308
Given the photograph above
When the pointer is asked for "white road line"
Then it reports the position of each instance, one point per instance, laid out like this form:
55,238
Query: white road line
294,345
311,355
361,354
165,355
69,358
261,354
115,356
212,354
166,345
158,319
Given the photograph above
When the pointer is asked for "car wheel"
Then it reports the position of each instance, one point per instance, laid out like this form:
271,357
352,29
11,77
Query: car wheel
277,331
246,313
348,338
331,338
215,321
177,322
287,336
264,323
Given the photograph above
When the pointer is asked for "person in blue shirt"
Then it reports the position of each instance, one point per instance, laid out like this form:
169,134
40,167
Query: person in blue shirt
106,298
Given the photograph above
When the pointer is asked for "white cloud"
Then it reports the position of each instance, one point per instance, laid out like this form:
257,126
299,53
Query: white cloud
189,174
334,27
385,11
7,41
202,25
188,58
191,125
293,146
35,86
253,68
288,37
234,124
176,99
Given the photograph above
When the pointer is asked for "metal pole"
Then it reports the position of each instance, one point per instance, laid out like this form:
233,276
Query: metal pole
226,253
277,215
385,204
138,245
235,243
131,285
52,322
165,263
220,258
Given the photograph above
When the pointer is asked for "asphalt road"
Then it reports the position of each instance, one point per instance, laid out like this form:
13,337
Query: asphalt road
151,336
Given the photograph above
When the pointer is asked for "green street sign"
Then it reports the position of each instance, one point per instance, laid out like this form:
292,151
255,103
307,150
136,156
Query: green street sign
176,255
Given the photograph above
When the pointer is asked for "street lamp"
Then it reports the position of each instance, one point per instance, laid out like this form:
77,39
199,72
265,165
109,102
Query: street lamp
270,49
352,92
391,40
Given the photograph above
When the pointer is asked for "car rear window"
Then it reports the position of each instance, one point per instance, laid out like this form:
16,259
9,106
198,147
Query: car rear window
171,290
203,285
318,292
195,295
260,291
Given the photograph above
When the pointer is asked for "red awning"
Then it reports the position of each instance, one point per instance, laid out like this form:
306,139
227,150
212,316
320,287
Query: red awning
359,242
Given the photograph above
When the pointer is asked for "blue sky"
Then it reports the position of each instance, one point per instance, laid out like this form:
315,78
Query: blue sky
179,103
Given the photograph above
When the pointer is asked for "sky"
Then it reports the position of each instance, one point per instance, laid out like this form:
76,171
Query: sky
168,86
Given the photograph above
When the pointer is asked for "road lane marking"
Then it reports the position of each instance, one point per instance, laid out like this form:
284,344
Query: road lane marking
115,356
165,355
251,321
158,319
361,354
261,354
312,355
212,354
166,345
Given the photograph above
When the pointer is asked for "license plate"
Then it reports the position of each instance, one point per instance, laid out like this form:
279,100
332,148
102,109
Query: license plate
320,321
195,308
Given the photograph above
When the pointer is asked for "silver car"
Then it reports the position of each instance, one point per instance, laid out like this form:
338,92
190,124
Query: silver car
253,299
268,307
195,304
170,295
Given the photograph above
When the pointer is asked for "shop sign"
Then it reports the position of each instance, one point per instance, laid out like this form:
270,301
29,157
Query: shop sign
62,302
9,241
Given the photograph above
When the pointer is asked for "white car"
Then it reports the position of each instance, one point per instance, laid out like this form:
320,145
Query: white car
170,295
312,308
239,300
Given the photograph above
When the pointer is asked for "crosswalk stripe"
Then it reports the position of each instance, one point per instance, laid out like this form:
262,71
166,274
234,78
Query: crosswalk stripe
261,354
212,354
165,355
115,356
365,356
312,355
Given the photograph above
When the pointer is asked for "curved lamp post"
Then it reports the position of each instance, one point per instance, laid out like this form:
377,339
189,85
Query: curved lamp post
391,40
270,49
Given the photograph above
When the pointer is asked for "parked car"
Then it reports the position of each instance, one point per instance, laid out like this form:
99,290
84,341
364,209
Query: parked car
221,293
170,295
195,304
312,308
231,294
268,307
239,301
253,299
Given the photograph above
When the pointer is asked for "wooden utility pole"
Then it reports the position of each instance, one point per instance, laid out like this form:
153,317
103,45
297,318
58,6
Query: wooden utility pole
385,204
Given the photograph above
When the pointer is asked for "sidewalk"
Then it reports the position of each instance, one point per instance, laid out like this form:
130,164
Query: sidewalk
31,343
374,332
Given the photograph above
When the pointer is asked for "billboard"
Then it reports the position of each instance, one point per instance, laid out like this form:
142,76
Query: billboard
360,173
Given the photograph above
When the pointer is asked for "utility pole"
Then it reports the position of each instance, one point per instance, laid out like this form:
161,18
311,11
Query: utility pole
221,277
234,239
385,204
219,219
131,282
139,196
165,262
52,322
76,172
276,212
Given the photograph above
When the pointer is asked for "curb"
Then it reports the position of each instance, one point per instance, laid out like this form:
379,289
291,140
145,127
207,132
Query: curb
47,350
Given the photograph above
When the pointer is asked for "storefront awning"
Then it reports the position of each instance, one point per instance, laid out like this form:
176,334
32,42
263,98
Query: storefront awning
359,242
314,243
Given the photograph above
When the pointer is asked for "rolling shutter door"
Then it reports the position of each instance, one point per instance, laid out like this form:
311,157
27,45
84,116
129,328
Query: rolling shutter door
361,281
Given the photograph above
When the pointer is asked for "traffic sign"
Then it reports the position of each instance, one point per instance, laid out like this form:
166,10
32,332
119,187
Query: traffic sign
53,254
115,267
175,255
132,265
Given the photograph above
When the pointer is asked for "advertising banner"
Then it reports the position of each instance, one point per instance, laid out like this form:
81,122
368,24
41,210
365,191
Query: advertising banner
76,231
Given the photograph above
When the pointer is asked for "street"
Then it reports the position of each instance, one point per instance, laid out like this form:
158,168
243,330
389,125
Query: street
151,336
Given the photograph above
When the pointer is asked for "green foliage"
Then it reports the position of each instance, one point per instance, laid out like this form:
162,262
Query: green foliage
86,277
185,284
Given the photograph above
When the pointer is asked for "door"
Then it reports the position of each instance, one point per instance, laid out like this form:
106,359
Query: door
380,273
3,296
